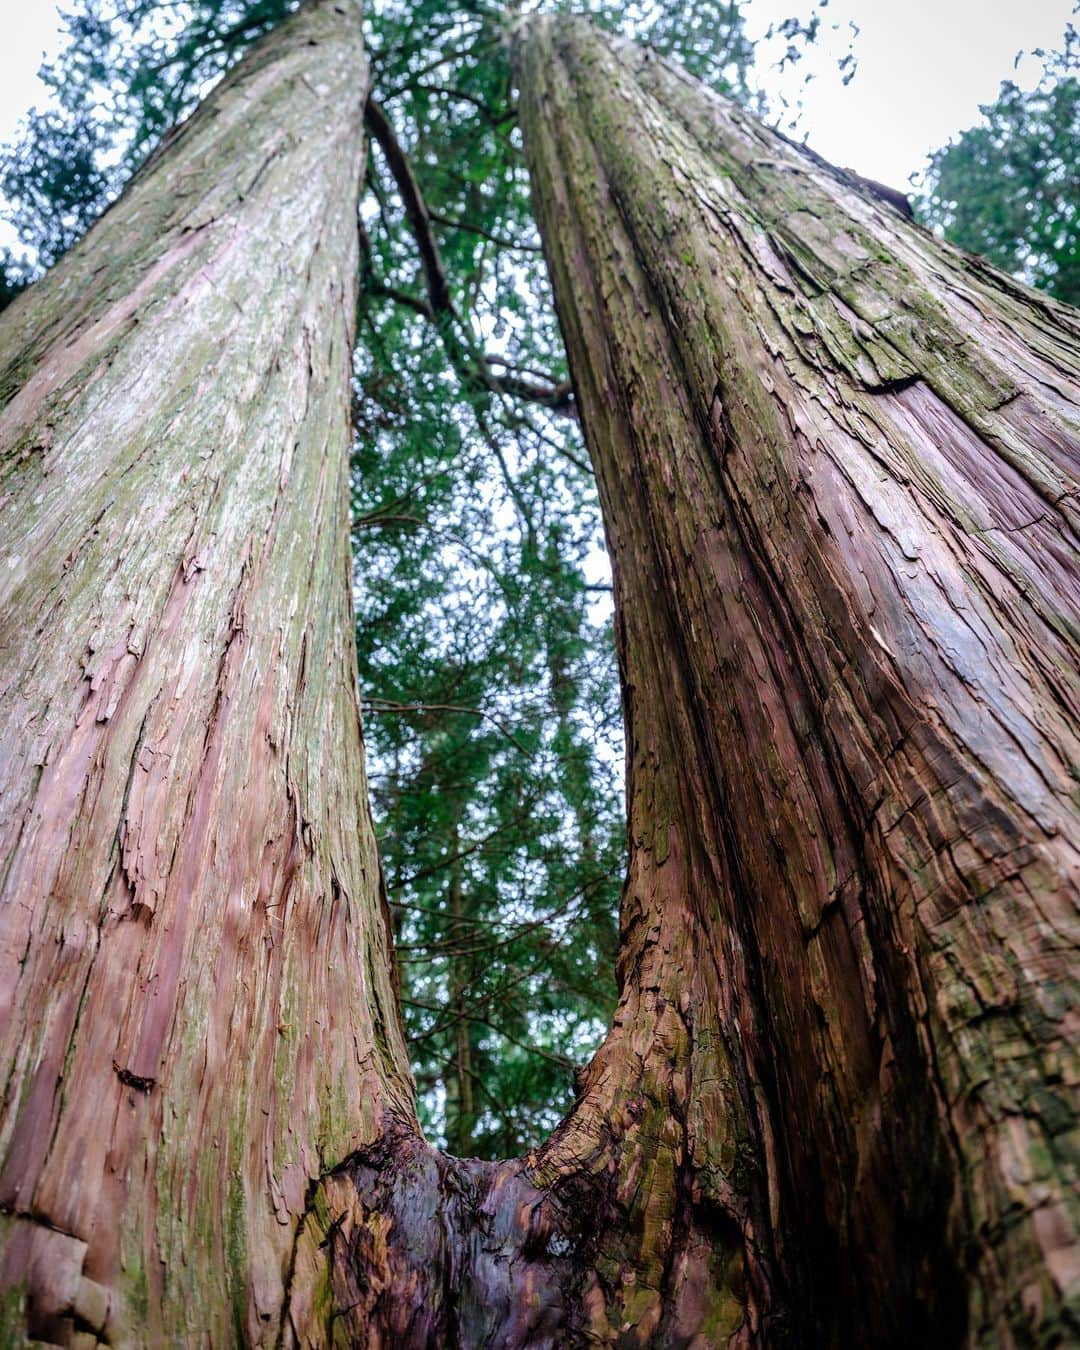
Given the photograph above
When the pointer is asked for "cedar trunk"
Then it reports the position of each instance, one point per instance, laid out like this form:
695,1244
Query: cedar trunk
838,466
198,1014
837,463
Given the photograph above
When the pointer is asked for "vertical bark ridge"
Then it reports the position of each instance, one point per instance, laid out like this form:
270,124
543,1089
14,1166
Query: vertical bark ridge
837,461
198,1013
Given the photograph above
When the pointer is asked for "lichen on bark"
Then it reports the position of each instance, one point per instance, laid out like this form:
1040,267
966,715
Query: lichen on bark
198,1008
837,461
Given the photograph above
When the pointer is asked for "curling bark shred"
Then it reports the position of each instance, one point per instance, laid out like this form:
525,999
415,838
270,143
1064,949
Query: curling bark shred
838,466
198,1016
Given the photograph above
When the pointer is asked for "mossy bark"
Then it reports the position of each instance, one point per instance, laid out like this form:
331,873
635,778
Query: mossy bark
838,467
198,1012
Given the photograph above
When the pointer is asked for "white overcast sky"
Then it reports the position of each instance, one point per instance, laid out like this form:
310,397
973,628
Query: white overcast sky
924,68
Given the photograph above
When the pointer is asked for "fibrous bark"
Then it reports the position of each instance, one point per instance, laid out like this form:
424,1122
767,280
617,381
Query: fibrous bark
837,464
198,1013
838,468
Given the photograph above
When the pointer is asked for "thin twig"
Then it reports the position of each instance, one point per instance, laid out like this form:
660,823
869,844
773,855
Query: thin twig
381,705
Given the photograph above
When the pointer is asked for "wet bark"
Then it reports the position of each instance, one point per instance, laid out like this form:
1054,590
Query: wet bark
838,467
198,1014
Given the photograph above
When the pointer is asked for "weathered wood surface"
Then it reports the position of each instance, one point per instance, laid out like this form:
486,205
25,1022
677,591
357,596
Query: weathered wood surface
198,1016
838,465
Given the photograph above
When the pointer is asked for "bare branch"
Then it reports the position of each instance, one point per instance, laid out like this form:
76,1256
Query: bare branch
472,367
385,705
470,228
416,211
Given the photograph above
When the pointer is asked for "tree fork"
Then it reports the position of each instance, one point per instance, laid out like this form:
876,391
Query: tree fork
837,464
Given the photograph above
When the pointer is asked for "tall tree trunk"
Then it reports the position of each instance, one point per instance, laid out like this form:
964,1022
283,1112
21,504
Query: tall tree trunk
833,1107
460,1112
838,463
198,1012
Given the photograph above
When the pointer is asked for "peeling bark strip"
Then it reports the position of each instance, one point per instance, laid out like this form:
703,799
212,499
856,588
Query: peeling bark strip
198,1016
838,465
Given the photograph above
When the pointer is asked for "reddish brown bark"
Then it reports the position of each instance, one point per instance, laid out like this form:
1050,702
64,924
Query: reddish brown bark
837,463
198,1017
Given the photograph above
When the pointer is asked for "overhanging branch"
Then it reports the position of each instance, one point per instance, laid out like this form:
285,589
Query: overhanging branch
416,211
474,369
